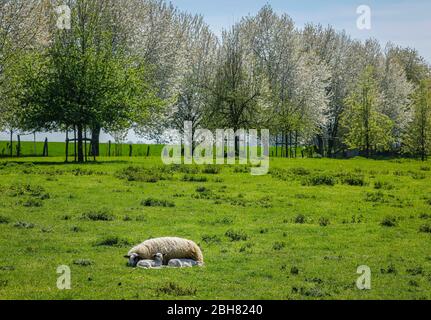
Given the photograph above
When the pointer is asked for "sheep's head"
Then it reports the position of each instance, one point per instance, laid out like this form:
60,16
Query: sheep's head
158,257
133,259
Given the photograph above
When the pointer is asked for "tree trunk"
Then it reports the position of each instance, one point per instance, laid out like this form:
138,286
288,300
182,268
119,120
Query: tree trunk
95,137
11,143
80,145
18,147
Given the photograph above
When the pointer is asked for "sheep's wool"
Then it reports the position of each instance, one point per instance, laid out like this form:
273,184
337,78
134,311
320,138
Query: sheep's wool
170,247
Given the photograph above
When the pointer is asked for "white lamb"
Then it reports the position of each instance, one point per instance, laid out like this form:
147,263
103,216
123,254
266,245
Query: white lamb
183,263
149,264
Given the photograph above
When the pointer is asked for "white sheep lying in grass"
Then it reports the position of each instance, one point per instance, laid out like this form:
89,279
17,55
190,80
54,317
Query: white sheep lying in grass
171,248
183,263
149,264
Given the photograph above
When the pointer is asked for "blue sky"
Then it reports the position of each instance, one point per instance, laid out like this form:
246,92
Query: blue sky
407,23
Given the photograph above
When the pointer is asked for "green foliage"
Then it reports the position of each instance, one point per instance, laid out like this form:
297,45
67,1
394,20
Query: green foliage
417,139
366,129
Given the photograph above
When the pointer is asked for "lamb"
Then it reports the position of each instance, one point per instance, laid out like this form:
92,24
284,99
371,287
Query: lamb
149,264
170,247
183,263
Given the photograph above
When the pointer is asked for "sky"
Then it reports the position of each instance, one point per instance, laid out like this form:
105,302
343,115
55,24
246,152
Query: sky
406,23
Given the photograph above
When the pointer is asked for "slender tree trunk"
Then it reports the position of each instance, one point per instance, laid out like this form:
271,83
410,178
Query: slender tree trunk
67,145
18,147
80,145
95,137
11,143
85,144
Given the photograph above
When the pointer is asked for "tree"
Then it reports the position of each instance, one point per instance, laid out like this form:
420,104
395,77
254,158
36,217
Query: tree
21,27
396,92
367,129
417,139
198,68
238,87
297,80
85,79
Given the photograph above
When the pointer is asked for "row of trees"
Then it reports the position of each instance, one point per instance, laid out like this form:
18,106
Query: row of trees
144,65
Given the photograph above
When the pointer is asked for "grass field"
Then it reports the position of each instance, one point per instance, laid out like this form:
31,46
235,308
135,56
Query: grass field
299,232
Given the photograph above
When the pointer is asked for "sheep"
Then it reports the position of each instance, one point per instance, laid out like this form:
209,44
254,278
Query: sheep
183,263
170,247
149,264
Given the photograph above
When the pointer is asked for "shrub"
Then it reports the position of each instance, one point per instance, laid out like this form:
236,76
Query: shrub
320,180
389,222
101,215
152,202
236,235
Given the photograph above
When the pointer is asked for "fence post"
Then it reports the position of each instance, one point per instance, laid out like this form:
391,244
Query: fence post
130,150
148,151
109,148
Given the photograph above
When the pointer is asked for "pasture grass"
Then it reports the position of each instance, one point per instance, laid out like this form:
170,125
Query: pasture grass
299,232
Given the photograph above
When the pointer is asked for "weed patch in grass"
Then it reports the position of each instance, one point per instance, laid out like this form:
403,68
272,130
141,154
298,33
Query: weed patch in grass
320,180
236,235
300,219
389,222
152,202
426,228
83,262
211,239
173,289
112,242
324,222
24,225
101,215
277,246
191,178
4,220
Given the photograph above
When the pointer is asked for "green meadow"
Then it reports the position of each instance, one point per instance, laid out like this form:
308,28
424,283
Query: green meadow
299,232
